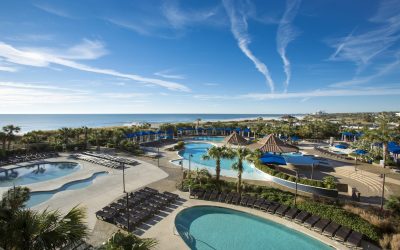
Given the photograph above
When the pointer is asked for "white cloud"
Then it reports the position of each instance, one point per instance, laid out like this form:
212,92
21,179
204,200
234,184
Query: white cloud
211,84
34,86
363,47
53,10
168,74
239,30
8,69
41,58
286,33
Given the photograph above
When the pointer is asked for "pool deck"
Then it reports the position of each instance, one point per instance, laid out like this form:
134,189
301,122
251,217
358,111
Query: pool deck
101,192
169,239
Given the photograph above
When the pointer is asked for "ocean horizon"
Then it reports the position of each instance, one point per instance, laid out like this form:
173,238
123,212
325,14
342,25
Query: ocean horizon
30,122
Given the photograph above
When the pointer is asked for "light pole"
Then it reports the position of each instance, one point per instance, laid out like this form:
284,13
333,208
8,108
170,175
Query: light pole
190,158
383,176
295,195
127,210
158,155
312,171
123,175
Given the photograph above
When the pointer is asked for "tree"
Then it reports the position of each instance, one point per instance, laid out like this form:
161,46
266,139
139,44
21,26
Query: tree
9,130
383,134
217,153
122,241
241,154
393,204
22,228
3,139
65,134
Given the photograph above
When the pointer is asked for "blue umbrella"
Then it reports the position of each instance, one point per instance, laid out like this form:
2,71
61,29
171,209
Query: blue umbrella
341,146
272,159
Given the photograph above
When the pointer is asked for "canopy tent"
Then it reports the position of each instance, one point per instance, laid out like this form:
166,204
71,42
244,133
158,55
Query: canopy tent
272,159
294,138
360,152
271,143
235,139
393,147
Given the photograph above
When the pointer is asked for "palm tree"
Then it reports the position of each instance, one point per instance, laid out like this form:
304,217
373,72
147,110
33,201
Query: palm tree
3,138
122,241
9,130
383,134
217,153
241,154
27,229
65,134
86,131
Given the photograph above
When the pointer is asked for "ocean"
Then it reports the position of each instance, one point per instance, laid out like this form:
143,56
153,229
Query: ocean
31,122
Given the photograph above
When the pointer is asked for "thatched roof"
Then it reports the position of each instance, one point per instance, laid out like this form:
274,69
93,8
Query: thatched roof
235,139
271,143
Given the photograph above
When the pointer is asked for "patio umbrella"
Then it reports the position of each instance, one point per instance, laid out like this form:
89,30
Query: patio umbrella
341,146
272,159
360,152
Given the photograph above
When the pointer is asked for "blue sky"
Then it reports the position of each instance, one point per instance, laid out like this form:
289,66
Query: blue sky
96,56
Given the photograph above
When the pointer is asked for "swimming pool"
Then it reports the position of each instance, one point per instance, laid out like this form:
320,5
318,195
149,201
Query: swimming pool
208,138
199,149
209,227
41,196
36,173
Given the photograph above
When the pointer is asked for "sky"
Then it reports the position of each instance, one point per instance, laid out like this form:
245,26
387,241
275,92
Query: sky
250,56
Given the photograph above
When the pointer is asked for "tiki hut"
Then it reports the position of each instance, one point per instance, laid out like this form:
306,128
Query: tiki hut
271,143
235,139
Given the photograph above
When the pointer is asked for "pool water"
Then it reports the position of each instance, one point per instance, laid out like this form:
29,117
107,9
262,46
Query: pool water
41,196
36,173
196,162
209,138
208,227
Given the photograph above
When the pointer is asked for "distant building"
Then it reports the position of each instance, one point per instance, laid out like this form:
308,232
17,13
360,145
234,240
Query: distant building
320,112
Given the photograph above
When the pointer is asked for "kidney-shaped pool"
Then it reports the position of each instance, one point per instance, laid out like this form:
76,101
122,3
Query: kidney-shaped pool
209,227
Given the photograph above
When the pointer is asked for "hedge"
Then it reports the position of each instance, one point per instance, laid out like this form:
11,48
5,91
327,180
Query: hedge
341,217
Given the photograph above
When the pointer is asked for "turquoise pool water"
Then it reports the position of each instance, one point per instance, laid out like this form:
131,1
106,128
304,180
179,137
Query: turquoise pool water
209,138
207,227
36,173
199,149
41,196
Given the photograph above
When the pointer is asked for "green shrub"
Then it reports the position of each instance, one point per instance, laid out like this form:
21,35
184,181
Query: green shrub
341,217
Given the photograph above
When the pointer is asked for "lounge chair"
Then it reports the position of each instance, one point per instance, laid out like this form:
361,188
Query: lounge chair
301,217
243,201
229,197
354,239
259,202
214,195
272,209
331,229
207,195
235,199
310,222
282,210
251,201
199,194
342,234
222,197
321,225
291,214
266,205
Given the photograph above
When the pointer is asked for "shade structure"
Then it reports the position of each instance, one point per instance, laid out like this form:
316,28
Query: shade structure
360,152
271,143
235,139
272,159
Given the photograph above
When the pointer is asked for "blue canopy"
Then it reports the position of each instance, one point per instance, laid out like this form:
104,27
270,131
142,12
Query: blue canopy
272,159
360,152
341,146
294,138
247,130
347,133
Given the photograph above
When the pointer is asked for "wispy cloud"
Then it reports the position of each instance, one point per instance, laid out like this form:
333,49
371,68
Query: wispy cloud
239,29
39,58
286,33
211,84
35,86
8,69
303,96
168,74
363,47
53,10
366,79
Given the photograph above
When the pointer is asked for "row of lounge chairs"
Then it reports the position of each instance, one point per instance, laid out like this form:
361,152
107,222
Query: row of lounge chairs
112,158
140,207
28,157
331,154
313,222
99,161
